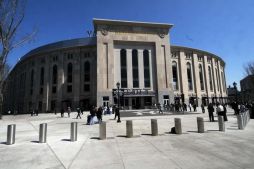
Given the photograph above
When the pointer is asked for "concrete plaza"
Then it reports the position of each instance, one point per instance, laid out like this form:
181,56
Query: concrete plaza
232,149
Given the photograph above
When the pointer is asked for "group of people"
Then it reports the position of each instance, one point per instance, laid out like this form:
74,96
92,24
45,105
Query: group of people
221,110
68,111
34,112
179,107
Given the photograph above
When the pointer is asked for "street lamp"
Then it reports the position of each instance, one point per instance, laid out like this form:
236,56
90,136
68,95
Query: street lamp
118,103
235,87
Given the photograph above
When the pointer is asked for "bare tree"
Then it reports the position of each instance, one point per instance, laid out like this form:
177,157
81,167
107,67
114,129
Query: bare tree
249,68
11,17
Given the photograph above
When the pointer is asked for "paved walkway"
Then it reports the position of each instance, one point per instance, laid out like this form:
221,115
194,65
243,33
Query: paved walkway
191,150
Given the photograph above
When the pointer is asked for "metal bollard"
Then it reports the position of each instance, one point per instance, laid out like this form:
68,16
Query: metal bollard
129,129
154,127
221,123
240,121
178,126
43,133
103,135
200,123
74,131
11,130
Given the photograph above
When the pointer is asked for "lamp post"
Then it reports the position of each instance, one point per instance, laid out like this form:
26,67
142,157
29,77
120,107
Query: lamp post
118,102
235,87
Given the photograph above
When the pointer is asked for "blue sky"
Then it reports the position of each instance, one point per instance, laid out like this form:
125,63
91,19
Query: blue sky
222,27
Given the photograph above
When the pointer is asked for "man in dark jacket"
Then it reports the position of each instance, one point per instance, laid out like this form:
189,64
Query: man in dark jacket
210,112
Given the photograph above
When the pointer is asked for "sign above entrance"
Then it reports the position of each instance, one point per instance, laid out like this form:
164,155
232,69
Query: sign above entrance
133,92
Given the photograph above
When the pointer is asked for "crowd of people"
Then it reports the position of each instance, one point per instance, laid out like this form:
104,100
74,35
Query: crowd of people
95,113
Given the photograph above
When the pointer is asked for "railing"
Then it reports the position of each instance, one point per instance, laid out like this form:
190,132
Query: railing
243,119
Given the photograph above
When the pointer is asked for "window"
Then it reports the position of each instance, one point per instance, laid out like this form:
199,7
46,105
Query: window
217,79
188,55
201,77
223,81
175,75
146,68
123,63
32,79
210,78
69,73
42,76
69,88
199,58
86,87
69,56
41,90
54,89
86,71
54,77
189,76
174,54
32,82
135,68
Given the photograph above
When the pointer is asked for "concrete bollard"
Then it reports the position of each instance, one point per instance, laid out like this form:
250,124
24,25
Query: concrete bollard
11,130
240,121
200,123
43,133
221,123
178,126
154,127
129,129
103,130
74,131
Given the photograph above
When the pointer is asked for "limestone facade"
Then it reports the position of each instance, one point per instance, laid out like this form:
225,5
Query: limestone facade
138,55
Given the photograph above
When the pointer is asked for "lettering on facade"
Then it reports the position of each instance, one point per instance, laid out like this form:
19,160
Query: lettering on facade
91,33
133,92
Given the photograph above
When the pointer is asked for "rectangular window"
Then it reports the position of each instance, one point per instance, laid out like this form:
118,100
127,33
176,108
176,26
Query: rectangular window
41,90
146,69
86,87
123,63
69,88
54,89
135,69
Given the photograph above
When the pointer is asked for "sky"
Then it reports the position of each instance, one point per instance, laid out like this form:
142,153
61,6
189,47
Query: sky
222,27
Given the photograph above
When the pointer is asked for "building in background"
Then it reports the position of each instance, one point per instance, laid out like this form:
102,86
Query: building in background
138,55
247,89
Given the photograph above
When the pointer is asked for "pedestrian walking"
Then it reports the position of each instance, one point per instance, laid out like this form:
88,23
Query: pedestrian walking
79,112
62,112
203,108
159,107
69,111
210,112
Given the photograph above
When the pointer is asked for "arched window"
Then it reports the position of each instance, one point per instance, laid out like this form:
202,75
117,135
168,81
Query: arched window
135,68
54,77
32,82
69,73
217,79
42,76
201,77
87,71
146,68
189,76
32,78
123,64
223,81
210,78
175,75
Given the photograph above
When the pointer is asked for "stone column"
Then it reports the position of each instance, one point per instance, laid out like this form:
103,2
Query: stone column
206,77
196,78
183,77
76,66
